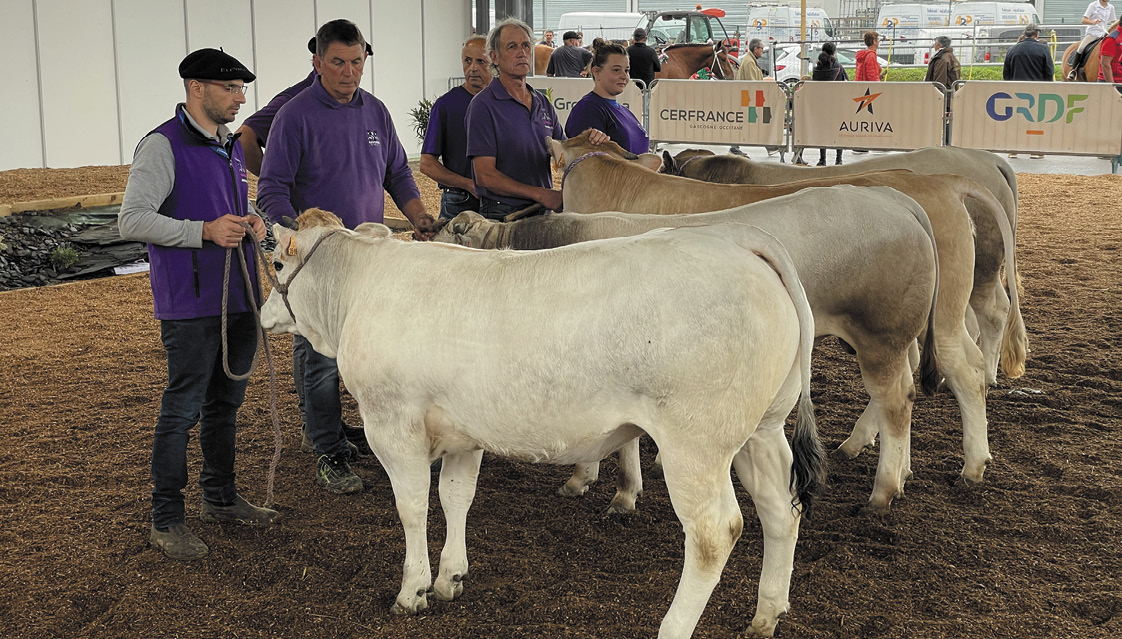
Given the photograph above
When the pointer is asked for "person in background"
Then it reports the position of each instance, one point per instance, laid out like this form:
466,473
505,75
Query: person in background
943,67
507,124
255,129
570,60
1110,56
644,60
1030,60
1097,17
749,64
868,65
188,198
547,39
444,152
334,146
828,69
599,108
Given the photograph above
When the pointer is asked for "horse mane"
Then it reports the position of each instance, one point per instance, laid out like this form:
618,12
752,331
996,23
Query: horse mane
683,45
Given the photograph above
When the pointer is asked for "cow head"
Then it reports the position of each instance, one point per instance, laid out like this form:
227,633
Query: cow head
466,229
565,152
672,164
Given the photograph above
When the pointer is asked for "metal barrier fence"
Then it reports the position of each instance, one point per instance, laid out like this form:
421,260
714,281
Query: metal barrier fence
1057,118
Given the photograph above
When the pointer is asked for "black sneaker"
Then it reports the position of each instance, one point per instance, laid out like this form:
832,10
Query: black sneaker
335,474
353,451
239,512
178,542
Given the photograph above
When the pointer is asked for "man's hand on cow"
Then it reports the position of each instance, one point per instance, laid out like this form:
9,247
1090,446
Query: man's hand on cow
227,231
551,200
423,230
596,136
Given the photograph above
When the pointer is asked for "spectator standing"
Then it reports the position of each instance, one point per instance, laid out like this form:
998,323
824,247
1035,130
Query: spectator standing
643,59
1110,56
828,69
749,64
547,39
943,67
188,198
599,109
1029,60
444,152
868,65
334,146
569,61
1097,17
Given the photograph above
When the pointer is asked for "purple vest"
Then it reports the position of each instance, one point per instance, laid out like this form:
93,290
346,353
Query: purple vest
210,181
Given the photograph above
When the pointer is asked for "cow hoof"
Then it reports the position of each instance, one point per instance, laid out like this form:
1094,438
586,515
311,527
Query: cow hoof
448,589
762,627
620,507
841,454
569,491
410,605
969,482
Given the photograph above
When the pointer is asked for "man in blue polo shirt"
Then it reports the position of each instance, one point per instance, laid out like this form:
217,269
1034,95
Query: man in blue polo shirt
187,197
334,146
507,124
444,153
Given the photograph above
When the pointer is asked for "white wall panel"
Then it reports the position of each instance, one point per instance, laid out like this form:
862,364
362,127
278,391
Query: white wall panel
151,42
281,30
397,63
78,82
446,25
226,25
20,128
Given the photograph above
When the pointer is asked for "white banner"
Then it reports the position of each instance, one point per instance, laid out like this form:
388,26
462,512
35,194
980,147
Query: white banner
717,111
1045,117
563,93
868,115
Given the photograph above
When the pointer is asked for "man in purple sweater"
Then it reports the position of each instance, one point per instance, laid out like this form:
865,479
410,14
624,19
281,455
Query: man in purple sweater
334,146
444,153
187,197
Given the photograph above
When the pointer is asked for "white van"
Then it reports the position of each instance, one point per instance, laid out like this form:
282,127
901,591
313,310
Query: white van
993,26
781,23
908,29
599,24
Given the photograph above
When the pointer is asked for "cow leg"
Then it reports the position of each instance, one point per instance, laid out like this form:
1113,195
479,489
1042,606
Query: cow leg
702,495
962,365
764,468
584,475
888,379
629,480
406,462
990,304
458,475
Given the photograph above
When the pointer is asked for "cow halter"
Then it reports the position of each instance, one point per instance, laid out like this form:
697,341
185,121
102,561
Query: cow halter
576,162
283,287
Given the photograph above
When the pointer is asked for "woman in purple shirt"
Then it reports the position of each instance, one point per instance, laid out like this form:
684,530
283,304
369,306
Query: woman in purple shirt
599,109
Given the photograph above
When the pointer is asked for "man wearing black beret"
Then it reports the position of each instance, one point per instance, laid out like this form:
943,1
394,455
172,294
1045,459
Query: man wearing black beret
188,198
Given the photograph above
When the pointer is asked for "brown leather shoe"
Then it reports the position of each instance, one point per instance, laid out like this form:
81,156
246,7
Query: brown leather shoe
239,512
178,542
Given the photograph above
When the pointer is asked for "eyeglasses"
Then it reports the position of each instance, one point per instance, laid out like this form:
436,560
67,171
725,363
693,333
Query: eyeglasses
230,88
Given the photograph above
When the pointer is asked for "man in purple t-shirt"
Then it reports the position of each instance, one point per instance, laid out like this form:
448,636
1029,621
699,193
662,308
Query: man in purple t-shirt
446,137
334,146
507,124
255,130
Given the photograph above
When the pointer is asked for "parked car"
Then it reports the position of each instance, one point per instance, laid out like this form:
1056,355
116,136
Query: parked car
787,67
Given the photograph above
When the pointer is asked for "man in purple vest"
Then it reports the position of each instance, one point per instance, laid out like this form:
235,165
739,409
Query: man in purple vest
187,197
334,146
444,153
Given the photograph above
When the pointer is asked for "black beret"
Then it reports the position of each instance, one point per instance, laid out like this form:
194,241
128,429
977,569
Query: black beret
571,35
213,64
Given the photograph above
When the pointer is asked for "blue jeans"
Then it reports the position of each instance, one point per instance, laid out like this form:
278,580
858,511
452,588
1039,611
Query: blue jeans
496,210
455,201
198,391
321,407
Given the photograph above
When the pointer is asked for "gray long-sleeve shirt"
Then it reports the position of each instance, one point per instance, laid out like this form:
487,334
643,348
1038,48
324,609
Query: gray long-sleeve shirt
151,178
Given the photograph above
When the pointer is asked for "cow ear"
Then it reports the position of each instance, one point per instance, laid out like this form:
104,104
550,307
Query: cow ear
649,160
371,229
463,222
668,163
557,149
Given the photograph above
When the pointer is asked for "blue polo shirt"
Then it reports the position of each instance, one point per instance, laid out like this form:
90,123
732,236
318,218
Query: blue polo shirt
446,136
501,127
339,157
611,117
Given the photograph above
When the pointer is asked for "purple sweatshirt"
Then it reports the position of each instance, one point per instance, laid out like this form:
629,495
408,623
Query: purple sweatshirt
338,157
262,121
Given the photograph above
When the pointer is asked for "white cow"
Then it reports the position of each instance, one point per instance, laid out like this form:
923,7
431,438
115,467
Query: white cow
561,356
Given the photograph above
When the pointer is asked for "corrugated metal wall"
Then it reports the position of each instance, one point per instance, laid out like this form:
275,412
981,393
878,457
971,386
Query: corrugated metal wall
1062,11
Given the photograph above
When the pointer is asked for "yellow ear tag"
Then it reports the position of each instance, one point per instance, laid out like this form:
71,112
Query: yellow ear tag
291,246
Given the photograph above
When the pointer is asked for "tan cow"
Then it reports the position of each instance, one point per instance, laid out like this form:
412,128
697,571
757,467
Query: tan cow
989,305
869,273
599,179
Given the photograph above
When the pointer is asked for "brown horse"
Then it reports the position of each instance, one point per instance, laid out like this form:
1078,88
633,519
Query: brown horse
1090,71
684,60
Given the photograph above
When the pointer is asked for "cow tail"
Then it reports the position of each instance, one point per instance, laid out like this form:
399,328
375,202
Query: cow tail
1014,340
929,362
808,467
